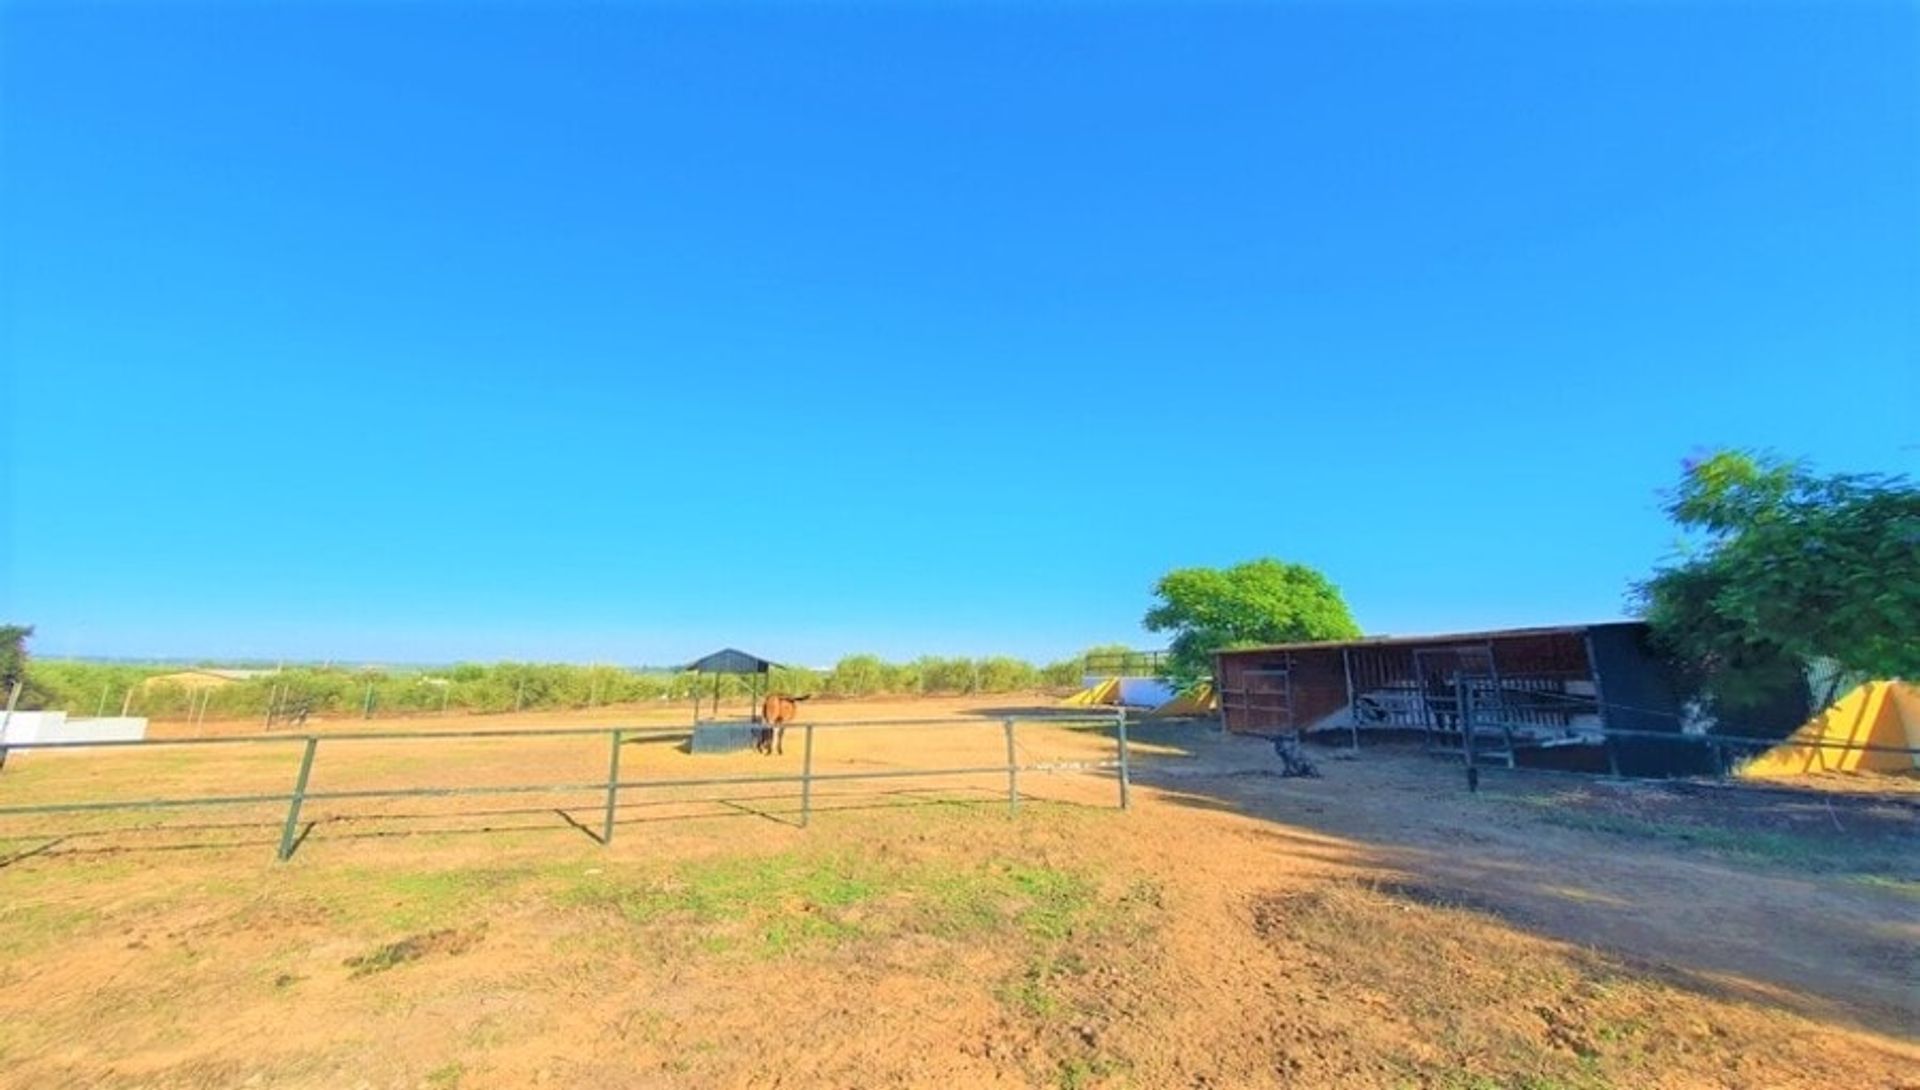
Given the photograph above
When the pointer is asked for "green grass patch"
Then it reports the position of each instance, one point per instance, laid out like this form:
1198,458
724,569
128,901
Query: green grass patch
1905,887
26,927
418,899
1081,1073
796,902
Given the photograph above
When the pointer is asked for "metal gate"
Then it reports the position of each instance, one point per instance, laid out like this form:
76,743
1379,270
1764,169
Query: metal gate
1445,674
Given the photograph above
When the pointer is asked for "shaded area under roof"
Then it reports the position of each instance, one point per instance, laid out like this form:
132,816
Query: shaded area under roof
730,660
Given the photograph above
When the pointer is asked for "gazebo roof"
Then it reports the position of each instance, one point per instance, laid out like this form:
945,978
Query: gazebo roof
728,660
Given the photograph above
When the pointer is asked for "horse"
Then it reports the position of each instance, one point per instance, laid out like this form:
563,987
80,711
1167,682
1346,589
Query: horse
776,712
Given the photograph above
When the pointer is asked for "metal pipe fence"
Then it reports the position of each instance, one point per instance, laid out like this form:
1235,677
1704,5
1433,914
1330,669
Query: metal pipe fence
1726,750
611,787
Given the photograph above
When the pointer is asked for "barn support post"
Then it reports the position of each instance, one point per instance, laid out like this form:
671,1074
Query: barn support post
1353,710
1013,770
1464,699
1126,772
289,832
1600,706
806,779
613,789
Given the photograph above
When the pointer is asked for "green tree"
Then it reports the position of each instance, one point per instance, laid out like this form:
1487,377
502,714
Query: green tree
858,675
13,658
1260,601
1784,569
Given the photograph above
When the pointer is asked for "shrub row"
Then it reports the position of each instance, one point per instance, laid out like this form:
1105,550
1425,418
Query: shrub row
88,688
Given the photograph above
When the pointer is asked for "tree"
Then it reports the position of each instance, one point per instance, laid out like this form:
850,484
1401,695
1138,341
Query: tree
13,665
1260,601
1783,570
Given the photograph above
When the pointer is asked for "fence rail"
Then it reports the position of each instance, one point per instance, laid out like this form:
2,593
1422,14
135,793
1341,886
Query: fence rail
613,785
1478,718
1125,663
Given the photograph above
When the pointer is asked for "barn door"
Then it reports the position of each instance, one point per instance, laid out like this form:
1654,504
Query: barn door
1270,696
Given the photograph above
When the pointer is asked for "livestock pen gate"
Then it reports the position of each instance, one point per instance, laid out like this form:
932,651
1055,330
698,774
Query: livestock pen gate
1528,688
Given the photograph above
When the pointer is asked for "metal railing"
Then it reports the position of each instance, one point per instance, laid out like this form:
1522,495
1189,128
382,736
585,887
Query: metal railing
1476,721
1125,663
613,785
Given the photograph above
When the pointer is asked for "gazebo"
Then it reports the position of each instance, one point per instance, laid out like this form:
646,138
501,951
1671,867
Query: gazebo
730,660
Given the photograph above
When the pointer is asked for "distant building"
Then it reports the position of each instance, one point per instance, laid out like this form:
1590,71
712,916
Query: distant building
196,680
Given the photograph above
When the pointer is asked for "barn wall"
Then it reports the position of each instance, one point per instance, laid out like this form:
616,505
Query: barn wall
1554,655
1319,675
1319,686
1248,713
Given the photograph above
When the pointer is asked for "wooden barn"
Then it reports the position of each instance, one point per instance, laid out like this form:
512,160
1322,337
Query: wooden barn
1526,688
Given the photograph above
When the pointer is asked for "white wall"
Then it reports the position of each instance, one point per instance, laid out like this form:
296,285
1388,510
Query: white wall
56,727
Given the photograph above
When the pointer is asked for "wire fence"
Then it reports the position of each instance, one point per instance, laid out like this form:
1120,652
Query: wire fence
614,789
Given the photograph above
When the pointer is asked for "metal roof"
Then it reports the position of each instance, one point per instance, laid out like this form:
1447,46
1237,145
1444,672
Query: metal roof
729,660
1438,637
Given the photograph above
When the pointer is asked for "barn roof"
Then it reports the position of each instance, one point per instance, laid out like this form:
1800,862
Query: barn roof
1438,637
729,660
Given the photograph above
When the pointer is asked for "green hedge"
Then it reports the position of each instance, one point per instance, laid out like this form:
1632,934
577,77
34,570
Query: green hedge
87,688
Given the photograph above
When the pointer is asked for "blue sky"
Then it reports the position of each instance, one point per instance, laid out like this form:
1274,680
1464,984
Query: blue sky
618,331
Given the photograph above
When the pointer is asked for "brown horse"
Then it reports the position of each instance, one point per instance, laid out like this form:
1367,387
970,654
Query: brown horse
776,712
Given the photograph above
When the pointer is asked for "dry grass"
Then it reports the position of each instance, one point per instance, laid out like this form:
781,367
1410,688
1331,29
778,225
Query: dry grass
1229,932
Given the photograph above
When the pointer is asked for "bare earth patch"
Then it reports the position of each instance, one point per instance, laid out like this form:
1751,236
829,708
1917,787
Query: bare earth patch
1377,927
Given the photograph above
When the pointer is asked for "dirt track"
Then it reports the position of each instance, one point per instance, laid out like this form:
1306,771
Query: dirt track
1375,927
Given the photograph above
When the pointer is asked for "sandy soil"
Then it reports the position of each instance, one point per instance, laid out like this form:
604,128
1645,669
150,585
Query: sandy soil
1375,927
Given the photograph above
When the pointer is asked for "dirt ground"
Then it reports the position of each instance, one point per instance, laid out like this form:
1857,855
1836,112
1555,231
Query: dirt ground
1377,926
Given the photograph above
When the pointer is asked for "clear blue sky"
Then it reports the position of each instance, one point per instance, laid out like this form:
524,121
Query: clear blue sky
619,331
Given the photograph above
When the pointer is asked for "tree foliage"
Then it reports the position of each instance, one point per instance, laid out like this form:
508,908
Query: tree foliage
13,666
82,688
1784,569
1260,601
13,653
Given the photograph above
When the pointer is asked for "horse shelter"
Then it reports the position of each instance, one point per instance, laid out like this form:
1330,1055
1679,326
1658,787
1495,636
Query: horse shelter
1522,689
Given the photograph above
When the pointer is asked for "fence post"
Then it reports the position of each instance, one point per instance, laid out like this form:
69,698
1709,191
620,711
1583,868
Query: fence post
366,707
613,790
806,779
288,830
1126,774
100,711
126,703
1013,771
6,720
